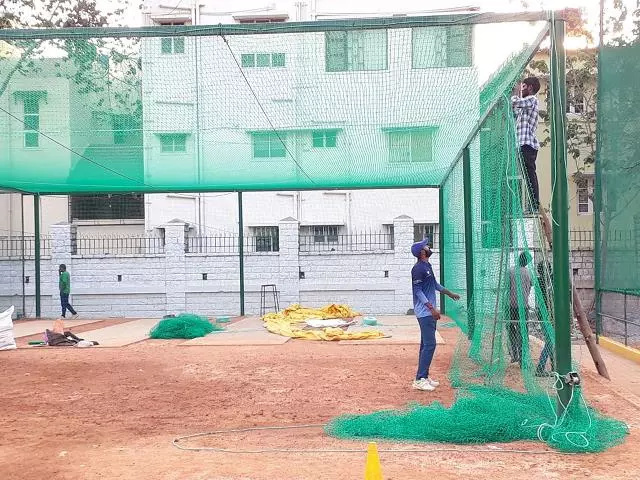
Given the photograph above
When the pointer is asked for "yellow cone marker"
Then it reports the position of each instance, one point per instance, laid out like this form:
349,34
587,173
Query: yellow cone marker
372,470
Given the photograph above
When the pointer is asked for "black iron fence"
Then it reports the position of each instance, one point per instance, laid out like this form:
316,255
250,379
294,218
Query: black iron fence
620,314
118,245
15,246
355,242
230,243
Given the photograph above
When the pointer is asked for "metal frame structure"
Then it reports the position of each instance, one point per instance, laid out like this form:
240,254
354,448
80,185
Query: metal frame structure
556,28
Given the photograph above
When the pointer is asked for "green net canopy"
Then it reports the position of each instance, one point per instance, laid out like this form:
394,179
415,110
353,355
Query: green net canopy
358,104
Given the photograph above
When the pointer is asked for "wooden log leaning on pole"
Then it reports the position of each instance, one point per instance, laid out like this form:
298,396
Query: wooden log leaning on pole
578,310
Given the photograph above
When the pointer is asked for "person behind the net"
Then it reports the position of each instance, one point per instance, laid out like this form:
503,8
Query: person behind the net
519,276
424,287
64,282
525,108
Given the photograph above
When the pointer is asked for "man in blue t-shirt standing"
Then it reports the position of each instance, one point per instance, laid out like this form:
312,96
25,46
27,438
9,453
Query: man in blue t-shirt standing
424,286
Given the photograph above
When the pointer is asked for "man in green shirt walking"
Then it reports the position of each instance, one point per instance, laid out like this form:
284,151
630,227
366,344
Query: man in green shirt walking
65,289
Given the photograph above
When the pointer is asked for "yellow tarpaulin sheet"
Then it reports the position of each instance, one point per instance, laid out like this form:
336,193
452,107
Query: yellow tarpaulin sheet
291,321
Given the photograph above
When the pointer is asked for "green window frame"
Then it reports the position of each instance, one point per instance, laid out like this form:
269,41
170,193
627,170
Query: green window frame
262,60
411,145
269,144
248,60
324,138
173,142
442,47
31,109
278,60
172,45
356,50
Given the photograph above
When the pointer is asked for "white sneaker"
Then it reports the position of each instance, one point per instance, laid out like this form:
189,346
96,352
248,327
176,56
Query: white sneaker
423,384
74,316
432,382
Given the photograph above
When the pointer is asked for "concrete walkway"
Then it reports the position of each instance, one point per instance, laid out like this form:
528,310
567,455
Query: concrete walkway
625,374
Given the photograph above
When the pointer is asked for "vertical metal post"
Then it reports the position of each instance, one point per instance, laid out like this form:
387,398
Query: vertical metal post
24,300
560,207
36,241
441,244
241,251
468,237
597,197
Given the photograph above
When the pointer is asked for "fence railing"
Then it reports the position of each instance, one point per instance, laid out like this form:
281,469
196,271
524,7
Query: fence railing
615,239
119,245
13,247
356,242
230,244
621,317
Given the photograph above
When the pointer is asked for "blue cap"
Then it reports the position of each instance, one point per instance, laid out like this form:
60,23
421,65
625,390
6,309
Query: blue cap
418,246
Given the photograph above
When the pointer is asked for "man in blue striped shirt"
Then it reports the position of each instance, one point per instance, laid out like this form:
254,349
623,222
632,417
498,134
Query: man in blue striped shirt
424,286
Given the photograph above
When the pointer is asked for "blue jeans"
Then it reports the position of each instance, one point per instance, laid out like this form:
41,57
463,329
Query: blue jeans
547,352
64,303
427,345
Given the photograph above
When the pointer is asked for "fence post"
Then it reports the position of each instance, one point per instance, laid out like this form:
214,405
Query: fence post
175,266
289,261
62,237
36,244
402,263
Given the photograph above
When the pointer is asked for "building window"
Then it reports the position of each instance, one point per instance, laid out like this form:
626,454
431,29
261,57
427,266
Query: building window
31,122
269,145
324,138
106,207
261,18
320,233
411,145
424,231
266,239
440,47
248,60
173,142
576,103
584,194
356,50
171,45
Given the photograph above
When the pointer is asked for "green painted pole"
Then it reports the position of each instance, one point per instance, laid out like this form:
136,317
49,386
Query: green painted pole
441,246
241,251
36,228
468,237
560,210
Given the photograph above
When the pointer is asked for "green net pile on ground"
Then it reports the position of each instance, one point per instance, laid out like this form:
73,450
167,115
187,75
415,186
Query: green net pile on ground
485,414
185,325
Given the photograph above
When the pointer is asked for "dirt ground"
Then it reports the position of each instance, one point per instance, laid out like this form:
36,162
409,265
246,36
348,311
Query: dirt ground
112,414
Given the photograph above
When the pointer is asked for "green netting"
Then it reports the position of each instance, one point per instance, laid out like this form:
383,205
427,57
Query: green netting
363,104
507,389
619,180
185,325
489,414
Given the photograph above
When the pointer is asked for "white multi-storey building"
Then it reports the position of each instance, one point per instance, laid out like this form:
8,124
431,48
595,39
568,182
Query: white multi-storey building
323,106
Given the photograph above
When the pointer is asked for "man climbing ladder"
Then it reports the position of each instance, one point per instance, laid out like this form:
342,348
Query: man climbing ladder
525,108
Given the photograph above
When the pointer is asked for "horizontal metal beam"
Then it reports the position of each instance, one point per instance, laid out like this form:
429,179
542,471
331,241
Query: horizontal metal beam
265,28
288,188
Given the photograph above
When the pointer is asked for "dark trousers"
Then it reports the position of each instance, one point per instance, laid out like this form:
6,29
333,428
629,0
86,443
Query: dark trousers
515,335
64,302
529,156
427,345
